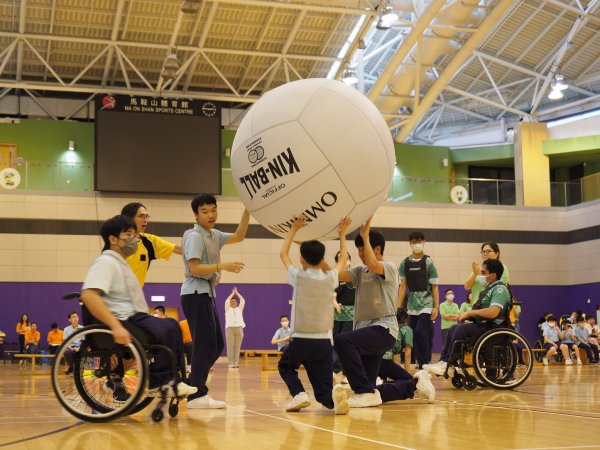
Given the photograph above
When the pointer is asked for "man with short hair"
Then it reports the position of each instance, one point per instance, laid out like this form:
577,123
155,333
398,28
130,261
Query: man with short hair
74,347
113,296
492,306
160,312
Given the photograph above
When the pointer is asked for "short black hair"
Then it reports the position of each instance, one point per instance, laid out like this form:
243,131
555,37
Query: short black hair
53,325
550,318
160,308
313,252
71,313
131,209
416,235
337,256
494,266
401,315
114,227
283,317
448,290
580,319
201,200
34,323
376,239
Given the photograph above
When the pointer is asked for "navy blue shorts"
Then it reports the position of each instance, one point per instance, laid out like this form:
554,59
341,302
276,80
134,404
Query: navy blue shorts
549,346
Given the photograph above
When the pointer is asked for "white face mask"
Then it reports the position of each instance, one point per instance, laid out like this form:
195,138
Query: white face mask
450,297
417,248
481,279
284,324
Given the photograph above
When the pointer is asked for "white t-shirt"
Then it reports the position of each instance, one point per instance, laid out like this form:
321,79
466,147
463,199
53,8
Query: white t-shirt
316,274
234,317
111,274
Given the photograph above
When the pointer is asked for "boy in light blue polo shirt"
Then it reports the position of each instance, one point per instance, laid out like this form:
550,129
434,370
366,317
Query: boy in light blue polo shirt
581,336
201,248
553,341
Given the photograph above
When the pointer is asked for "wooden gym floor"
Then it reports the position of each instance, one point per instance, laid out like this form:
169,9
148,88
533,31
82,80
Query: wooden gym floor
557,408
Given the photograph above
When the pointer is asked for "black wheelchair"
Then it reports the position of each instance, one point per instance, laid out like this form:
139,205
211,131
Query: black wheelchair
500,357
109,380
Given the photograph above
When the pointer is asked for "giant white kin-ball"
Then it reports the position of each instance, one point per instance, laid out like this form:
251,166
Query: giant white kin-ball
316,147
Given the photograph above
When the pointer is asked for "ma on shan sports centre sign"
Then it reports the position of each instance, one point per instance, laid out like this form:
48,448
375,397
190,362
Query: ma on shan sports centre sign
157,105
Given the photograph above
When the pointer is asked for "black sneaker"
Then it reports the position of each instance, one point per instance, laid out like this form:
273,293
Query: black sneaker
120,394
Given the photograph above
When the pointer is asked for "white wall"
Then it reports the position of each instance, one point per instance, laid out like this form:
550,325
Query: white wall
66,258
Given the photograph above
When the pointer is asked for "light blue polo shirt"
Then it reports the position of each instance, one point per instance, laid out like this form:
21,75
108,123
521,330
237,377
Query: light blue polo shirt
194,248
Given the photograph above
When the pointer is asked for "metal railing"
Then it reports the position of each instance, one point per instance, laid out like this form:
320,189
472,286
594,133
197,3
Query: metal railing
438,190
79,177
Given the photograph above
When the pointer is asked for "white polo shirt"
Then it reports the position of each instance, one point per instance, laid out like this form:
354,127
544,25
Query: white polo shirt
121,291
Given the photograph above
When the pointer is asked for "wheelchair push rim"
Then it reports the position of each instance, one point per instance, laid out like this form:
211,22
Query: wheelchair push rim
106,382
499,361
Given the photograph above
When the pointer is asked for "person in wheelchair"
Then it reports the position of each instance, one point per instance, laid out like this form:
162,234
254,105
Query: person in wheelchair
113,296
490,310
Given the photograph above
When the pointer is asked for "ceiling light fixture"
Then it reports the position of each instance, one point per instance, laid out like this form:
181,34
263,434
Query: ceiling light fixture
389,14
171,66
383,25
559,82
350,76
555,94
190,6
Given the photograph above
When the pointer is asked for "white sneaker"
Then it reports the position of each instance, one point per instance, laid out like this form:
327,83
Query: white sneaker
301,400
345,381
579,363
340,402
365,400
424,386
378,381
568,362
206,402
183,390
438,368
545,361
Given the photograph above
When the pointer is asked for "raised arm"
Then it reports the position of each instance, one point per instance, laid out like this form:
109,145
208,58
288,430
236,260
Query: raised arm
371,260
241,297
343,228
284,254
242,229
228,300
473,276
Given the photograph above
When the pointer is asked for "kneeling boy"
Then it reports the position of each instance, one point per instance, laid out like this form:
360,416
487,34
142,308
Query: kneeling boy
312,322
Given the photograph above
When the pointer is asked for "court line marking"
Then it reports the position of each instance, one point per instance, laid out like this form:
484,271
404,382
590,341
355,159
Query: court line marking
49,433
523,409
331,431
555,448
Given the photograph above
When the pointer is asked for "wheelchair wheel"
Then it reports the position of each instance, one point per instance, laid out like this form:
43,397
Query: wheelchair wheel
458,381
108,380
470,383
539,345
497,360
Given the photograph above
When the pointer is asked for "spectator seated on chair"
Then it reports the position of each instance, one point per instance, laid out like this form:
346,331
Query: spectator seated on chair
112,294
74,347
55,338
491,310
32,339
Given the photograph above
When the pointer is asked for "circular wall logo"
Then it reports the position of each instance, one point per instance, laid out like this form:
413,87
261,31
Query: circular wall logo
109,102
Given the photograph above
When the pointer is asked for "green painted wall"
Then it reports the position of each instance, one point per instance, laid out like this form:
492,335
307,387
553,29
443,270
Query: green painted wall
488,153
48,163
570,145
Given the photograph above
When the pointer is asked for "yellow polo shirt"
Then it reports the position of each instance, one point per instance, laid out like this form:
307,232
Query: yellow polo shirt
141,259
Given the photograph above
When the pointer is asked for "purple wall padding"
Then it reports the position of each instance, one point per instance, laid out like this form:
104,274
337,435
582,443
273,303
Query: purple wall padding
265,303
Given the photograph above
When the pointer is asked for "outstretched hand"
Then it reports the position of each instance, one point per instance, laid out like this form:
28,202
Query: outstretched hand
344,224
299,222
366,227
